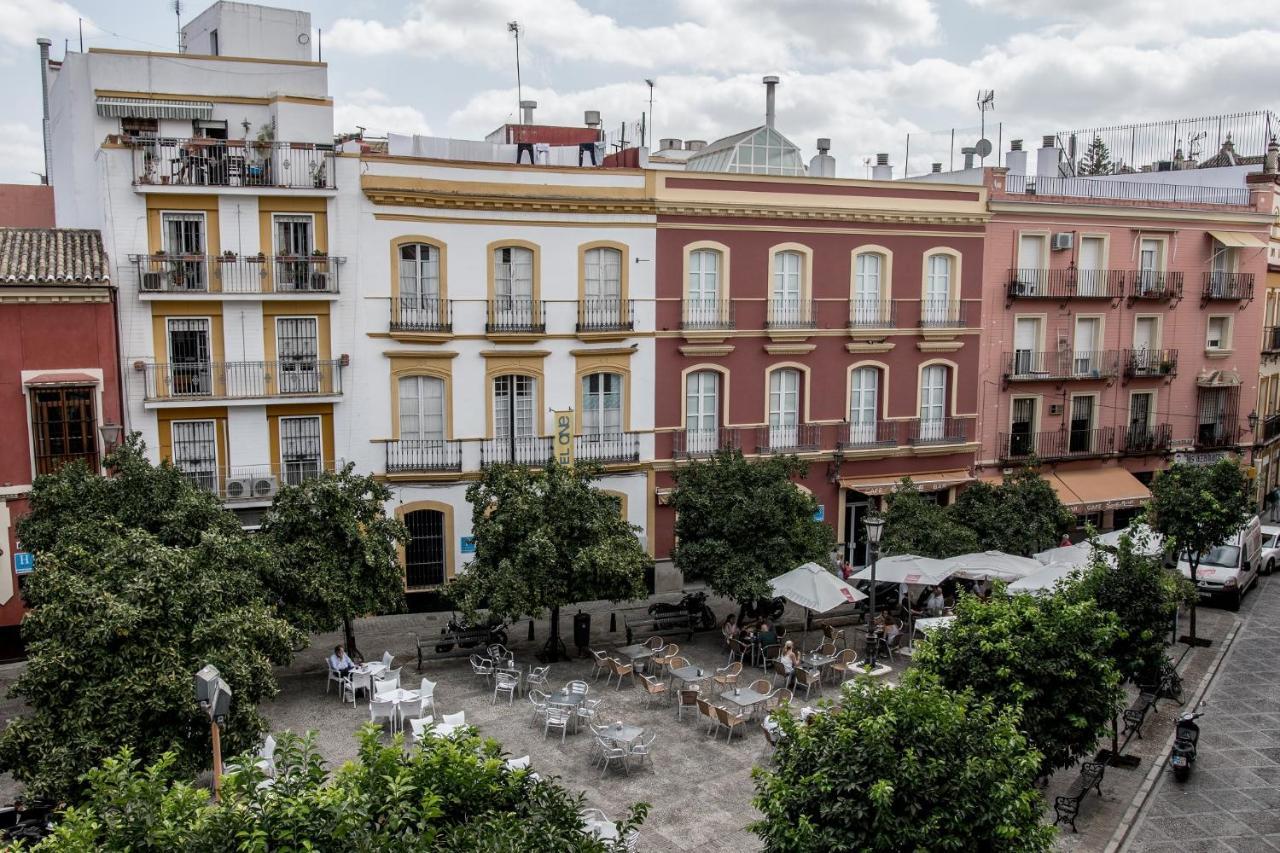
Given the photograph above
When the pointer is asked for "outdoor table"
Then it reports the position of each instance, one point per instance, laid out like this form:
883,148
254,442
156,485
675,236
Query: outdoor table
399,695
570,700
442,729
744,697
622,734
638,653
605,830
817,662
689,674
363,675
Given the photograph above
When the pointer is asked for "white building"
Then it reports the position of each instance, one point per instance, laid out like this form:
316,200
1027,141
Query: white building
285,306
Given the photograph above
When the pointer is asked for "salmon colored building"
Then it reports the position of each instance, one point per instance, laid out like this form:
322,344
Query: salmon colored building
1122,330
837,320
59,379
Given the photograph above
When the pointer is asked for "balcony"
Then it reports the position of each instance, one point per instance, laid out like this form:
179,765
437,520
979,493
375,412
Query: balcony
1271,340
1142,441
1065,284
1217,435
1031,366
942,314
411,456
241,380
245,484
229,274
925,431
790,314
1269,431
1057,445
607,448
533,450
421,314
1140,191
1150,363
798,438
695,443
1154,284
1233,286
873,314
706,314
516,314
167,161
606,314
865,436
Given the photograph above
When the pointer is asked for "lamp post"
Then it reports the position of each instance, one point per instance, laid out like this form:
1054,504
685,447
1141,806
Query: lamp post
214,698
1253,449
110,436
875,527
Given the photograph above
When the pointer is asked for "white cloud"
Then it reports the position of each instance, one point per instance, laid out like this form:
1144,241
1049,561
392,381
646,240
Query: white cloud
370,109
23,21
24,153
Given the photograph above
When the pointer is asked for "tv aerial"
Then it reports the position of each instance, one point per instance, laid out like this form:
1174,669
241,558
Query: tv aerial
986,101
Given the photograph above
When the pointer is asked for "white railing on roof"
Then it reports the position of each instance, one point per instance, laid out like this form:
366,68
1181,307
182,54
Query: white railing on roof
479,151
1125,190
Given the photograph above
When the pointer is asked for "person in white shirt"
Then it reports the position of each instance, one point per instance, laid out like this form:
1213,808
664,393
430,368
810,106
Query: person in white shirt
982,588
339,662
936,602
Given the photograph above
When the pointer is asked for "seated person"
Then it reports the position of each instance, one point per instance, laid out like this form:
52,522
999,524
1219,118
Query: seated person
893,633
789,659
766,636
339,662
982,588
936,602
730,628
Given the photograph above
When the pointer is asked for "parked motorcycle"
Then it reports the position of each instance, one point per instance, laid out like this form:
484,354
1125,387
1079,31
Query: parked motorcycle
694,604
769,609
496,628
1185,739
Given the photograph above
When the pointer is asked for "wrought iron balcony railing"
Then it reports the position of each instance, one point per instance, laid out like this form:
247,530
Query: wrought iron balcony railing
283,274
1140,441
706,314
797,438
873,313
421,314
532,450
1150,363
1271,339
692,443
1033,366
1228,285
230,380
1270,429
516,314
1070,283
1154,284
943,314
606,314
607,447
232,163
788,313
1058,444
938,430
423,455
868,434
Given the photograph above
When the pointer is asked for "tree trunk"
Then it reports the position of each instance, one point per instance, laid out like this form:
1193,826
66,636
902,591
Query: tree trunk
350,637
553,649
1195,599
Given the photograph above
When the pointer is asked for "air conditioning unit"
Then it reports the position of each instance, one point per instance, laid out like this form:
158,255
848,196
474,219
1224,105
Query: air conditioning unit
262,487
240,488
152,281
319,281
265,487
1055,408
1063,241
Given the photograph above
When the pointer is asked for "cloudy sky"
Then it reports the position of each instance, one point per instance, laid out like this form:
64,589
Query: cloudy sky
863,72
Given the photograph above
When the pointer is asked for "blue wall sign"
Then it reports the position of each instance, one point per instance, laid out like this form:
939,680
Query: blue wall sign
24,563
821,514
468,544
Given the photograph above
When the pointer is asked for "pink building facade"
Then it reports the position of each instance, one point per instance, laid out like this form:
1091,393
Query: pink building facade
1118,335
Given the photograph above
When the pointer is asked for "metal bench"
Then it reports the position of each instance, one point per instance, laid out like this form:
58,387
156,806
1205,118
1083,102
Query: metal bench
661,626
1067,806
1136,714
451,644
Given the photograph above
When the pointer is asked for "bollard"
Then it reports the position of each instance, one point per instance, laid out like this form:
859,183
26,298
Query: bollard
613,623
531,630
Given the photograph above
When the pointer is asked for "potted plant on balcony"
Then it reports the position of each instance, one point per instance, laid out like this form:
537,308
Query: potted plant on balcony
1166,367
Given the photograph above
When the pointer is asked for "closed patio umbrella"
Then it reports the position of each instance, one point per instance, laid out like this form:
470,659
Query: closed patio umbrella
815,589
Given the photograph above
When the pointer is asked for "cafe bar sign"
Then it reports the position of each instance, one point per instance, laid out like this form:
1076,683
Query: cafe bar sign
562,437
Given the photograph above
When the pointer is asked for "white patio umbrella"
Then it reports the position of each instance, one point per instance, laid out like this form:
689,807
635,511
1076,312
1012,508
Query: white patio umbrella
1155,542
908,569
991,564
1078,553
815,589
1045,579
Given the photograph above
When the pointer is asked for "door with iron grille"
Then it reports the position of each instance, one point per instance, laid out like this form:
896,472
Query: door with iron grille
195,452
63,428
424,563
1021,424
1081,438
300,449
190,372
513,414
293,245
297,346
184,244
1140,421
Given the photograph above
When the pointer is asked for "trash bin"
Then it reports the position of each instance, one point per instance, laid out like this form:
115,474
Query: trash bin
582,629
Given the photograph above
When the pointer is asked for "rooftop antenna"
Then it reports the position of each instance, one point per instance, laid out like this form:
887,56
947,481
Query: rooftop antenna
986,101
513,27
649,119
177,11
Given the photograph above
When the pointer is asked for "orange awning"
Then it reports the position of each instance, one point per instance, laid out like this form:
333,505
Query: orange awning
1099,489
933,481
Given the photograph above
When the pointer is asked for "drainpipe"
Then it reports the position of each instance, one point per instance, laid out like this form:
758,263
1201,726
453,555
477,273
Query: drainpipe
44,98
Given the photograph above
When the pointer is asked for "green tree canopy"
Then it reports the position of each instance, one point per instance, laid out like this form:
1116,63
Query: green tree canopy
119,624
1142,595
913,525
1197,507
454,794
1097,158
915,767
1021,515
544,539
337,552
741,522
1047,655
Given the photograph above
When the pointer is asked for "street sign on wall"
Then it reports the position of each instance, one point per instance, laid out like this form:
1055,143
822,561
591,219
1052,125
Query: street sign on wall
24,563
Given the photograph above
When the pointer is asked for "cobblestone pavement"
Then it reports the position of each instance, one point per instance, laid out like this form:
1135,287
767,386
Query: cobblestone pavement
1230,801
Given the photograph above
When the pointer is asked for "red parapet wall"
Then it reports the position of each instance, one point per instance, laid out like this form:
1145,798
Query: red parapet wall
26,206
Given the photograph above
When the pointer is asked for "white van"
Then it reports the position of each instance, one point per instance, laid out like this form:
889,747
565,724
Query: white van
1227,571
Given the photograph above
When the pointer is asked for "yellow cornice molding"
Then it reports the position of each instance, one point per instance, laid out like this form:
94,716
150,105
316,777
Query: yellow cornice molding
420,353
631,350
820,214
410,198
515,353
1195,215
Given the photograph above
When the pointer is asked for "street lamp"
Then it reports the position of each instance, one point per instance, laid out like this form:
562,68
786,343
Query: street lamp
875,527
214,698
110,436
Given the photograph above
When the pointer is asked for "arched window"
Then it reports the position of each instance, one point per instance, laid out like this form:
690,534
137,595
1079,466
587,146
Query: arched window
933,402
938,308
702,307
513,307
420,304
603,275
788,275
702,411
868,290
601,404
422,409
784,407
864,405
424,550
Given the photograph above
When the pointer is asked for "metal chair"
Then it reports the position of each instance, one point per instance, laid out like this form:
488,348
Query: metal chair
538,700
557,717
599,664
505,682
610,752
643,749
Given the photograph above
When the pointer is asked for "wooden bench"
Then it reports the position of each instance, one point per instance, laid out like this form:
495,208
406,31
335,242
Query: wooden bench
1067,806
661,626
452,644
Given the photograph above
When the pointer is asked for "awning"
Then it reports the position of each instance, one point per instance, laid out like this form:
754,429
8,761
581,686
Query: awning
47,379
1238,239
1218,379
932,482
148,108
1099,489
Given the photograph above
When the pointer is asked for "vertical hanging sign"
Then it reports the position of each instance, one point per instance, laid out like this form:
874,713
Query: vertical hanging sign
562,437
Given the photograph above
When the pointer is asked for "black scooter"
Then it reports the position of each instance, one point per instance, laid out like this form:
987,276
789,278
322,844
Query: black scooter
1186,737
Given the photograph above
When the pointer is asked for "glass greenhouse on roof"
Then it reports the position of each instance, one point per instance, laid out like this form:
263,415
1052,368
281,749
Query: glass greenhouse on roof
759,151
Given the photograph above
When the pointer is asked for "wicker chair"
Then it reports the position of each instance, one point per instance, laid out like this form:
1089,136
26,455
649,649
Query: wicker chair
599,664
662,660
730,720
728,676
808,679
653,687
620,669
708,712
737,651
844,664
835,635
687,698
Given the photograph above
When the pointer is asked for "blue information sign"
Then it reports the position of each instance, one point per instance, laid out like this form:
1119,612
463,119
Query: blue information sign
468,544
821,514
24,562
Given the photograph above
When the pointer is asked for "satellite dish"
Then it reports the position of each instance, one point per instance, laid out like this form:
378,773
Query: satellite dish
983,147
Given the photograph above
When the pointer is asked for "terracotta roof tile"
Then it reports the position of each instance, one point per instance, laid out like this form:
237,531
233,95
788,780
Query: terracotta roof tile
52,256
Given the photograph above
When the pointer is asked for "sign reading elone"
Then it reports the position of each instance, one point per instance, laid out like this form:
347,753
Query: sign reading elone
562,437
468,544
24,563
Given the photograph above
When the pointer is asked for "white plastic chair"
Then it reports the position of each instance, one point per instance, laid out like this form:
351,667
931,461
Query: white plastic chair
458,719
334,676
381,686
419,728
557,717
387,658
267,756
357,681
380,711
521,763
428,694
505,682
393,674
412,709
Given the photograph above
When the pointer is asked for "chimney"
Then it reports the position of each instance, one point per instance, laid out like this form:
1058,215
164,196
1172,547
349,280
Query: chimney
1016,160
1048,158
44,100
526,111
695,144
936,168
1271,162
669,144
591,118
824,165
770,84
882,171
968,156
